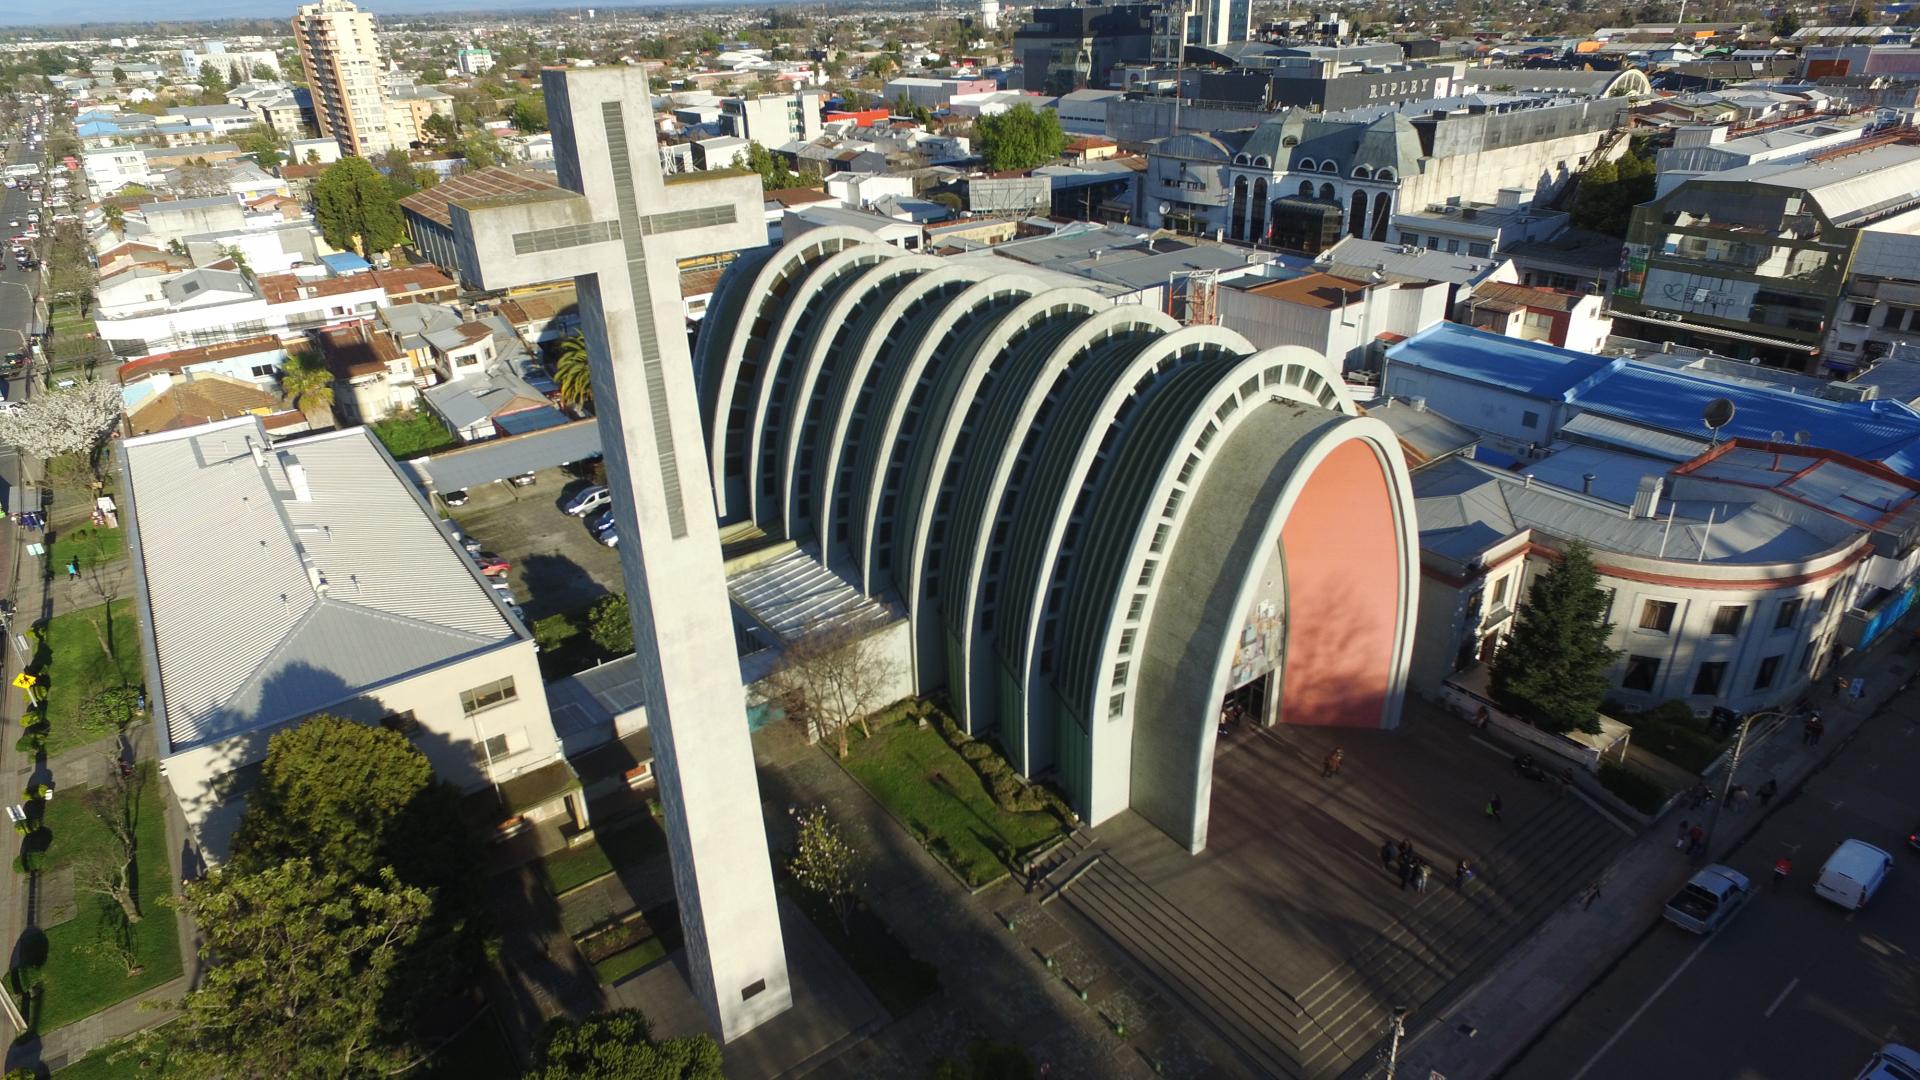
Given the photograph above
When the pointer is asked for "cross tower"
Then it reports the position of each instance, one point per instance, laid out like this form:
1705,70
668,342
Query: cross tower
618,229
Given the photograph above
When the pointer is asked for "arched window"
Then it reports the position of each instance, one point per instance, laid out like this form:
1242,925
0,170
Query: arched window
1309,165
1384,175
1239,159
1362,172
1239,216
1306,189
1330,165
1261,162
1357,215
1290,141
1382,212
1257,224
1326,192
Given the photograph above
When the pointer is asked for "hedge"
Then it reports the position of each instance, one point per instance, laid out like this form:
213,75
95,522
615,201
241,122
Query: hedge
1635,788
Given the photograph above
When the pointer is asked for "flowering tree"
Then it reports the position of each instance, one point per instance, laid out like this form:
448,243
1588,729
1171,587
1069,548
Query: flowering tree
824,863
70,421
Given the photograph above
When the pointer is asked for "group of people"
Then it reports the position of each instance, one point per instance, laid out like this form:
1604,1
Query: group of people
1414,870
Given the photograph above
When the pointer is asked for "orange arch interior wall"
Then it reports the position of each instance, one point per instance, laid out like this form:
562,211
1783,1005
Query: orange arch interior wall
1343,593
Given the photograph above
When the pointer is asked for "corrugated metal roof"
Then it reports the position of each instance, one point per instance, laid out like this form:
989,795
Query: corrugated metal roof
794,595
497,459
1606,431
265,606
1529,367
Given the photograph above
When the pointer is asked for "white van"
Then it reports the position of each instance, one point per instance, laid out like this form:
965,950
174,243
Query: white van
1853,873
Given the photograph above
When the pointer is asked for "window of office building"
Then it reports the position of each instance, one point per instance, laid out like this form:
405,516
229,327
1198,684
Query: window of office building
1641,673
487,696
1788,614
1658,615
1707,680
1727,620
1769,668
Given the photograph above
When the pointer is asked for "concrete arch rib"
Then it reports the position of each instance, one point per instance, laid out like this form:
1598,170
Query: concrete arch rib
941,445
765,294
800,323
984,482
819,377
1036,549
989,296
1155,493
1337,489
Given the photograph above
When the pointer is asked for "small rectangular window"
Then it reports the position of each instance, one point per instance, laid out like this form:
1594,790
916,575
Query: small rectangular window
1499,593
1657,615
1707,680
1769,667
1529,419
490,695
1120,674
1862,313
1116,705
1138,605
1641,673
1788,614
1728,620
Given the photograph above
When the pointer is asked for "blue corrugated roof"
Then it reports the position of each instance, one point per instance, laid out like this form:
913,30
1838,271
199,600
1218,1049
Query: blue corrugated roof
1674,401
346,262
519,423
1526,367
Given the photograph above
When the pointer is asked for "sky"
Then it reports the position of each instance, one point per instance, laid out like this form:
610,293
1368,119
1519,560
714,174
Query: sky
60,12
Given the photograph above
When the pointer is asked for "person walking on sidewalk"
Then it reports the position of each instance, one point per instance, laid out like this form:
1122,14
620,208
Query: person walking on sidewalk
1331,767
1680,838
73,569
1462,873
1767,791
1696,840
1493,808
1406,871
1819,728
1420,875
1388,851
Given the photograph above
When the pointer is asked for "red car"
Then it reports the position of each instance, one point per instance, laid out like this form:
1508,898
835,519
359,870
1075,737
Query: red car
492,565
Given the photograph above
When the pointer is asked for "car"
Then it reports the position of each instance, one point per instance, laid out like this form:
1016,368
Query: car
513,609
454,498
503,587
601,522
588,501
1892,1062
523,480
15,223
1709,899
492,565
611,538
468,545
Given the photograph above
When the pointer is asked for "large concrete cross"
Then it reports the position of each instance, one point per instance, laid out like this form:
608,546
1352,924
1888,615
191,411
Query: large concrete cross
618,229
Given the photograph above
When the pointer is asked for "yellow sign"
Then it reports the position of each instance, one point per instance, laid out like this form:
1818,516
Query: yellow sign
24,680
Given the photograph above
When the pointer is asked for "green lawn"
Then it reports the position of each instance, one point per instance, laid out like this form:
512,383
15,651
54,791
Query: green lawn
410,434
79,982
932,789
92,546
625,845
73,666
100,1064
622,964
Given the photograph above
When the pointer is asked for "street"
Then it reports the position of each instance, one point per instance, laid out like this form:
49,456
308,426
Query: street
1794,986
16,296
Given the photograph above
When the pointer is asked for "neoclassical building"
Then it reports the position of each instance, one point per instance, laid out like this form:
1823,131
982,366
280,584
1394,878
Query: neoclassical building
1100,524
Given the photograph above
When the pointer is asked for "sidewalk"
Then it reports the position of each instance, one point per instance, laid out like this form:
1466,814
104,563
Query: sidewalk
1494,1022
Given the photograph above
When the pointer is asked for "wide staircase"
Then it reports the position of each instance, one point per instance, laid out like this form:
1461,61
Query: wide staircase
1424,958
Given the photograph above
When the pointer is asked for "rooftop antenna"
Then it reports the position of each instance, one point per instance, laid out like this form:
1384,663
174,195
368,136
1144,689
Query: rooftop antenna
1717,414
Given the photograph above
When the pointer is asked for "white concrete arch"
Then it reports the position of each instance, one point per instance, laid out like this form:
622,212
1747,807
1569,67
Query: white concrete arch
973,645
1290,372
794,308
815,245
945,433
1187,342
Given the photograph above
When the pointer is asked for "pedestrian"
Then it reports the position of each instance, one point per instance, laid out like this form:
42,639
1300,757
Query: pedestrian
1493,808
73,569
1331,767
1840,684
1406,873
1404,850
1680,838
1737,798
1782,866
1819,729
1462,873
1767,791
1587,898
1696,840
1387,853
1420,875
1806,730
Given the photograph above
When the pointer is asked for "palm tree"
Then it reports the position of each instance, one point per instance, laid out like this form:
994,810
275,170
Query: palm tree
572,373
117,220
307,384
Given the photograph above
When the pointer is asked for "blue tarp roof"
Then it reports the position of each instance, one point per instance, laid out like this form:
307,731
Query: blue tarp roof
346,262
1526,367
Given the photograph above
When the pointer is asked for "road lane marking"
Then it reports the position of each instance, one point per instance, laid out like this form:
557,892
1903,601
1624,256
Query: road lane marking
1768,1015
1641,1011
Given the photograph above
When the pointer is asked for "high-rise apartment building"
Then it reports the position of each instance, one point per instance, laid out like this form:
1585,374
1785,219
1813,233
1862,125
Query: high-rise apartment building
1199,22
341,58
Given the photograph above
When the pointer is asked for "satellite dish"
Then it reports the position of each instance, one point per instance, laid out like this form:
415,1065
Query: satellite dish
1778,435
1716,415
1802,438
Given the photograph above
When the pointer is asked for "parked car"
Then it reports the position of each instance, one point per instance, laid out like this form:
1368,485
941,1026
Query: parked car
601,522
457,497
1892,1062
589,500
611,538
1853,873
1709,899
492,565
523,480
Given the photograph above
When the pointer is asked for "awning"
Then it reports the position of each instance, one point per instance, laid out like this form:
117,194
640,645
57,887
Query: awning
1736,335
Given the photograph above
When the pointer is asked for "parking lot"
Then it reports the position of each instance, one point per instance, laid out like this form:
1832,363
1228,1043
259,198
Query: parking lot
557,566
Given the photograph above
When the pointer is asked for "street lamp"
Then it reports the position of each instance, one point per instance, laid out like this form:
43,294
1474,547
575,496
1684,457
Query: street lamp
1397,1027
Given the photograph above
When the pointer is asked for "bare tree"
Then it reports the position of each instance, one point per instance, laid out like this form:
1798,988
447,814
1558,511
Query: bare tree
116,943
116,803
833,677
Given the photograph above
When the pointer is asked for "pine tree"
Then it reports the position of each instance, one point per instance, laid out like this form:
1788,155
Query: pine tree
1553,671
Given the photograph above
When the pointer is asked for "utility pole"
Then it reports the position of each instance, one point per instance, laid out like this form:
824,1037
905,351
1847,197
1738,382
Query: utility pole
1397,1027
1733,767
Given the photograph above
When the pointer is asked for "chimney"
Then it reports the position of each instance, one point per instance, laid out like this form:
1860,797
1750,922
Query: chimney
1586,484
1646,499
297,478
259,457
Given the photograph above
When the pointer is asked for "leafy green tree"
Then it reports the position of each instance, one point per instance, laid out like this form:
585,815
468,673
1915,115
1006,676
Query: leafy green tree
440,128
1553,670
211,80
620,1046
263,142
573,373
119,77
304,968
480,149
824,863
610,624
1787,25
1862,13
1610,190
773,170
264,73
1019,138
529,114
343,794
355,208
307,384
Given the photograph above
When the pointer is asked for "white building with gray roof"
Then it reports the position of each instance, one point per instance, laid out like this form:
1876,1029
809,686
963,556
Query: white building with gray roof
275,583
